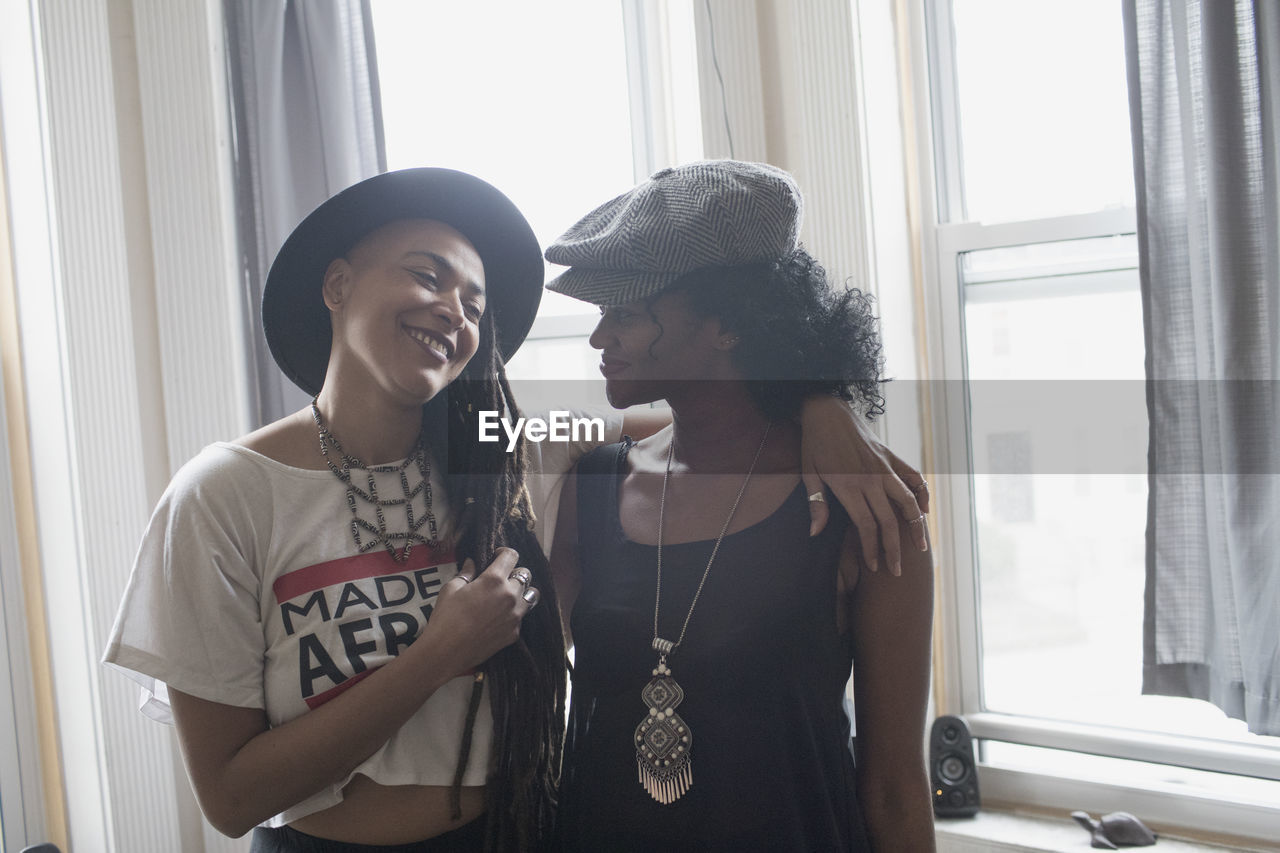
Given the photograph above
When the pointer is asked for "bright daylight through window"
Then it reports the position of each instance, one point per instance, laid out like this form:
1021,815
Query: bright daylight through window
1036,238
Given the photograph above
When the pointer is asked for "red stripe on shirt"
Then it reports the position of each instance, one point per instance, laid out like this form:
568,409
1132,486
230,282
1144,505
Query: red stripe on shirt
374,564
319,699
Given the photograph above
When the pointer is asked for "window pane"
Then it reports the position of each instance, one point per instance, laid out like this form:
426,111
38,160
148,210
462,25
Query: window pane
1058,440
1060,514
1043,108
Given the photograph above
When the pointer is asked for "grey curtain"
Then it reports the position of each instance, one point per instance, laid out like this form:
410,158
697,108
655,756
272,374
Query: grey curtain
1204,84
307,117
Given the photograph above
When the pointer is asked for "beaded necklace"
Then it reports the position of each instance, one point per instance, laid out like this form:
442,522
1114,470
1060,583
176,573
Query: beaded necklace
348,464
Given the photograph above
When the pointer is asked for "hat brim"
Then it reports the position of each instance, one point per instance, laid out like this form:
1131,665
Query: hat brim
608,288
294,316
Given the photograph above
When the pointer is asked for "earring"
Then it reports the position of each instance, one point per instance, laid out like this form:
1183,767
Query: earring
731,341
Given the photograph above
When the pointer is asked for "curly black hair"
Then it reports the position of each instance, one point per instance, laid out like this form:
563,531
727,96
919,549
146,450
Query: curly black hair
797,337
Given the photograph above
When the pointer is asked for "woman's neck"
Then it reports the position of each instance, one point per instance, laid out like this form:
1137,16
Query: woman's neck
716,428
369,428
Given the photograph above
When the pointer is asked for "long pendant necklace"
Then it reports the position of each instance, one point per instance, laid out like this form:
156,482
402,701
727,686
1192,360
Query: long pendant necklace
663,740
343,471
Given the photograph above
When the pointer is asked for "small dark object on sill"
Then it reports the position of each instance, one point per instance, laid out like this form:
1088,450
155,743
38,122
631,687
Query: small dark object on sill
1116,830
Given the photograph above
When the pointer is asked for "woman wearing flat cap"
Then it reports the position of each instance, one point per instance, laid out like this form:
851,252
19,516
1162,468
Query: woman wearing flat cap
713,635
346,613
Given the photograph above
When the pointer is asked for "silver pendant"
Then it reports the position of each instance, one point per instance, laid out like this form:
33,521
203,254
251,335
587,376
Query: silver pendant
663,740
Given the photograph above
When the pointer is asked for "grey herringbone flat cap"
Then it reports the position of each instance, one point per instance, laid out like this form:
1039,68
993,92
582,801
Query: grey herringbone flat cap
715,213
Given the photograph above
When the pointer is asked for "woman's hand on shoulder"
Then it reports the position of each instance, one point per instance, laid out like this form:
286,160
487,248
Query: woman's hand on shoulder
876,488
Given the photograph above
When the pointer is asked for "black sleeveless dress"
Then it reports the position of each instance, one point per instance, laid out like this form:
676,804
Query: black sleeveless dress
763,670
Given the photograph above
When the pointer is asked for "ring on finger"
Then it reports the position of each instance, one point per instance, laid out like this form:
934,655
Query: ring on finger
817,497
917,520
522,575
532,596
922,486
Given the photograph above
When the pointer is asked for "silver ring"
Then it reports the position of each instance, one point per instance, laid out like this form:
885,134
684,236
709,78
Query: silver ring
532,596
919,520
817,497
521,574
922,486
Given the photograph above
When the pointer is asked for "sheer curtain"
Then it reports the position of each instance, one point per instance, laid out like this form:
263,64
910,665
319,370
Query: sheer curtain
1204,83
308,123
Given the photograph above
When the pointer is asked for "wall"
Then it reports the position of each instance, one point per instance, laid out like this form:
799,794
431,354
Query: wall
130,324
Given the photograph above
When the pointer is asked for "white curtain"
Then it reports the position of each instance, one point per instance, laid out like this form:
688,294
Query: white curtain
308,123
1204,84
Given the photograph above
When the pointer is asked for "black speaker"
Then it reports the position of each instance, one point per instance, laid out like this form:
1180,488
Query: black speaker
952,769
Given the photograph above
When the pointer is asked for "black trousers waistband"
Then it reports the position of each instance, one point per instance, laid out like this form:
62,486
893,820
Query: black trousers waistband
284,839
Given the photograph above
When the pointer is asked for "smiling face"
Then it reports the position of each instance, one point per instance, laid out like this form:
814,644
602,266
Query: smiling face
651,350
405,304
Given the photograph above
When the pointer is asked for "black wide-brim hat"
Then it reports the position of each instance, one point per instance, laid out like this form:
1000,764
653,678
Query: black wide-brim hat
294,316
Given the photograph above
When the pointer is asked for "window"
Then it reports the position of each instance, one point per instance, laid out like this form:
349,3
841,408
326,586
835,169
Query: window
563,107
1036,272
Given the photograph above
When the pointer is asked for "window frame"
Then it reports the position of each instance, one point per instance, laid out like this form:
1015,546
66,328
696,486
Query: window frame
945,239
24,813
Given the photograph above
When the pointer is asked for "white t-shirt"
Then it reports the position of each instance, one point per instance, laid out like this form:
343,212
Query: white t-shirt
248,590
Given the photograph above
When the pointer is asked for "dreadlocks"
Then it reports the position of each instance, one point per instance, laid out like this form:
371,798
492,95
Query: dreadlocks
527,679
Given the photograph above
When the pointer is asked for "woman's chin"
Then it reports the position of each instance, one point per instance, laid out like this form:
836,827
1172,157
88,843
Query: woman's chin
623,393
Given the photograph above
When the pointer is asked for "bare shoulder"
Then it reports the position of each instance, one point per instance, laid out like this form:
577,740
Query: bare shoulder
290,441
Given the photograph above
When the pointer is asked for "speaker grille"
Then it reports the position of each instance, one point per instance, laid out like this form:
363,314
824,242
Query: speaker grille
952,768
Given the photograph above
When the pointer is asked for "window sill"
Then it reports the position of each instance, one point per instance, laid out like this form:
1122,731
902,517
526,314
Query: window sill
993,830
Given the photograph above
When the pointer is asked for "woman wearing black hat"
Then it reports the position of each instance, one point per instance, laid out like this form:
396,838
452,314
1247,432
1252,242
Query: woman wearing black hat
714,637
311,603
